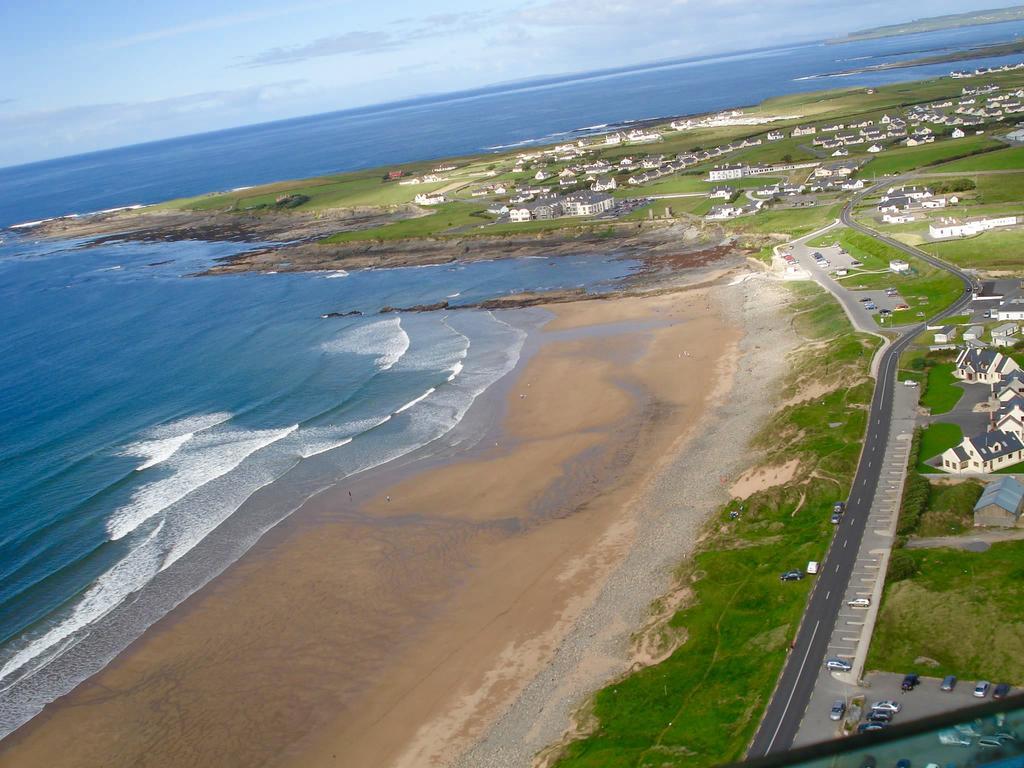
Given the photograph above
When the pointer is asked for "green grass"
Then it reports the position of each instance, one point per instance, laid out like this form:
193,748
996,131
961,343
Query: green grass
940,393
792,222
702,704
902,159
1011,158
950,509
443,218
962,609
996,249
1015,469
936,438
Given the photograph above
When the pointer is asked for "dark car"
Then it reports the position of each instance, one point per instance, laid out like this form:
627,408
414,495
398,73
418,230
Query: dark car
880,716
868,762
836,518
839,506
903,763
1001,691
791,576
948,683
866,727
910,682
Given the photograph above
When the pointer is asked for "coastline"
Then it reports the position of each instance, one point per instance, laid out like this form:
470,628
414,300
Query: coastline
181,651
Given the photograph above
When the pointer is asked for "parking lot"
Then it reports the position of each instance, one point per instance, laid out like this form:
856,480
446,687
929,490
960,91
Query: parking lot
836,260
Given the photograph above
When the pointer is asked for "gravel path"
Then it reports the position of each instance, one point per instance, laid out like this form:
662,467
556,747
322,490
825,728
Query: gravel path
670,518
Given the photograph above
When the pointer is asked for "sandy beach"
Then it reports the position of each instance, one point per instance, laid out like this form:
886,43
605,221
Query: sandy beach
461,611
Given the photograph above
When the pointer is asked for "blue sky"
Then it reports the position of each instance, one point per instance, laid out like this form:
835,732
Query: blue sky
81,76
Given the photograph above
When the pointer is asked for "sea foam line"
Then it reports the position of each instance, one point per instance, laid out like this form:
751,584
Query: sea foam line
192,470
386,339
421,398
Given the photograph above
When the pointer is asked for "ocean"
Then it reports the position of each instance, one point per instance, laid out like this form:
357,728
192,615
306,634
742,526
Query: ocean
143,411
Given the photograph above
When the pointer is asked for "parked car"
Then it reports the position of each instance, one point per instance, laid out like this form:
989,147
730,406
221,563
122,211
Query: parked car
1001,691
836,518
838,665
879,716
885,312
867,727
871,306
869,762
887,704
791,576
902,306
903,763
989,741
839,506
860,602
1005,735
981,689
910,682
838,710
948,683
909,383
812,567
865,300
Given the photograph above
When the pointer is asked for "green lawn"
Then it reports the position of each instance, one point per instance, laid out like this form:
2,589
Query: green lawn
793,222
701,705
442,218
962,609
940,393
936,438
903,159
999,160
997,249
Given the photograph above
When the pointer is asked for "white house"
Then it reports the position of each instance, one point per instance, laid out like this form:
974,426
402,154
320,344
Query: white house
973,333
947,228
946,334
987,452
603,183
429,199
587,203
958,133
1011,309
984,366
897,218
725,212
519,214
874,149
726,172
722,193
541,175
1005,330
899,266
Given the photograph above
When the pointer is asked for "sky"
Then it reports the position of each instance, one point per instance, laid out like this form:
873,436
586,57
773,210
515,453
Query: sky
81,76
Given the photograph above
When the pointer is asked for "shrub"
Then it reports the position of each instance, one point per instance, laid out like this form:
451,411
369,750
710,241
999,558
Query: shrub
902,565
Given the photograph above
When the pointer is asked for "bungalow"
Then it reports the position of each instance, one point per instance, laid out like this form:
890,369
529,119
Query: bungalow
974,333
1005,335
947,228
804,130
1001,504
984,366
1011,309
946,334
987,452
722,193
897,218
874,149
726,172
603,183
725,212
899,266
958,133
429,199
541,175
775,136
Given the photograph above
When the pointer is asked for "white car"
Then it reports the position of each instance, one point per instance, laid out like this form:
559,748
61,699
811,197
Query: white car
887,705
860,602
909,383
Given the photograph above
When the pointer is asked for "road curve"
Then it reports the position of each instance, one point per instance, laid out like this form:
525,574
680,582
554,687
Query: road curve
786,708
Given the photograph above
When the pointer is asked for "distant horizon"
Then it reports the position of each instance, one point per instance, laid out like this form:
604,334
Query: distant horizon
144,75
505,86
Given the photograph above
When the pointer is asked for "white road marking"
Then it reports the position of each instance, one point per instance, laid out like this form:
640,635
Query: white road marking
792,691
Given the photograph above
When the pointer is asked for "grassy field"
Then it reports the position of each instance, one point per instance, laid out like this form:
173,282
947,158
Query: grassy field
926,288
961,609
701,706
442,219
940,393
793,222
936,438
903,159
997,249
999,160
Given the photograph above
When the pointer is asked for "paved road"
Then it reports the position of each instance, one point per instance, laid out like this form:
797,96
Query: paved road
796,684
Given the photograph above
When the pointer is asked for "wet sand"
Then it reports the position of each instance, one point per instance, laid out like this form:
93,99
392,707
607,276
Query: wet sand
393,628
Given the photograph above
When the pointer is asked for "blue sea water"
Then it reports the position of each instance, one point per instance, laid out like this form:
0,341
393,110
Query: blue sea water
141,408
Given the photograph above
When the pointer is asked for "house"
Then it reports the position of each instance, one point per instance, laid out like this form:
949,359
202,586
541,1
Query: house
725,212
541,175
945,334
899,266
1001,504
429,199
987,452
1011,309
973,333
602,183
587,203
984,366
726,172
520,214
947,228
775,136
958,133
897,218
804,130
1005,335
874,149
722,193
